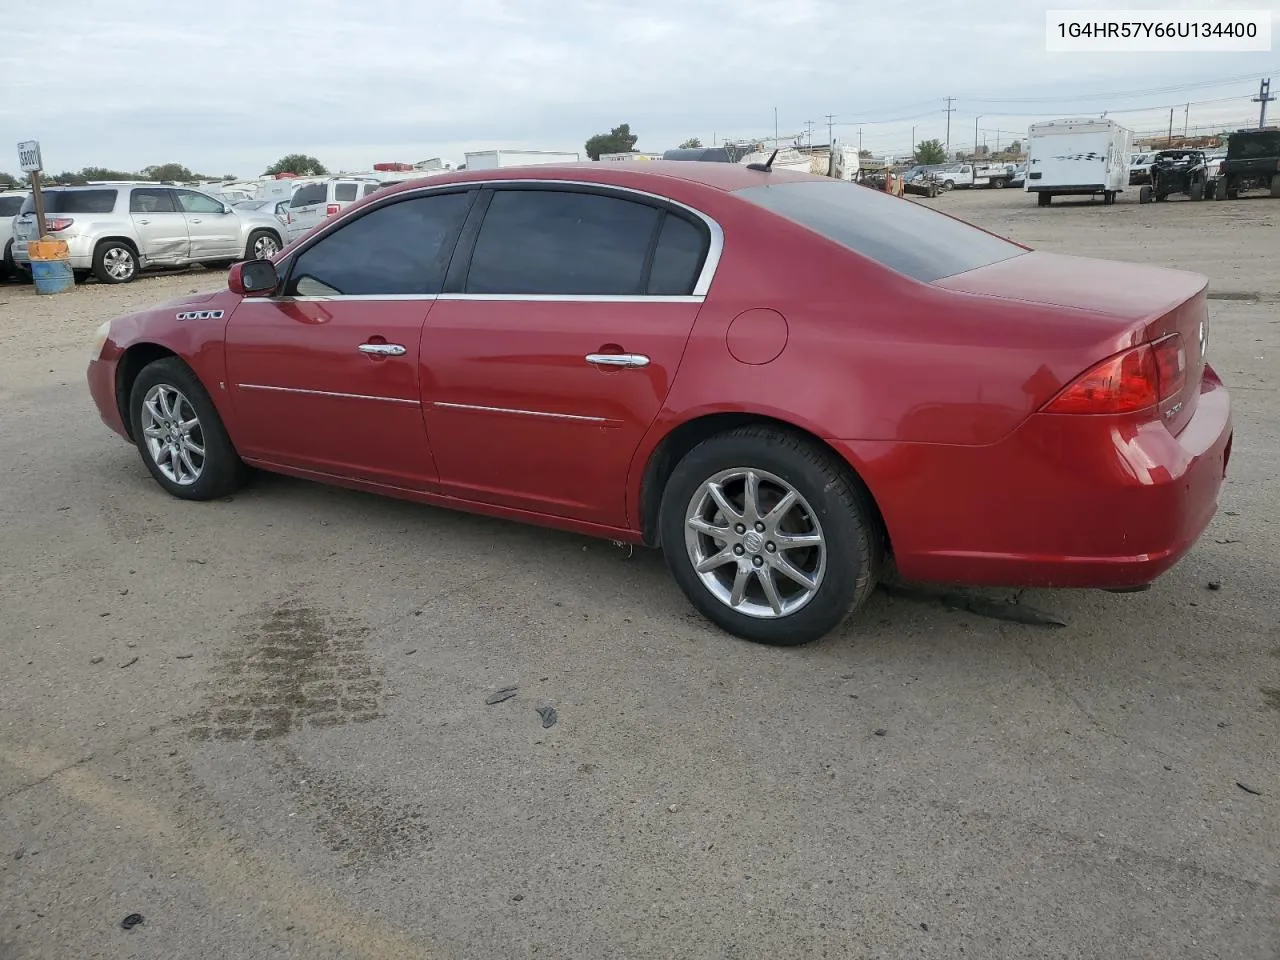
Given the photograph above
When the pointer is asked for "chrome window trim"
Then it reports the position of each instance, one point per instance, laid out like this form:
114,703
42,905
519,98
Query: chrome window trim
715,248
325,393
510,297
576,418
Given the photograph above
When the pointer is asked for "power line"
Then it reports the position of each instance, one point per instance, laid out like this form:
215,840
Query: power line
1172,88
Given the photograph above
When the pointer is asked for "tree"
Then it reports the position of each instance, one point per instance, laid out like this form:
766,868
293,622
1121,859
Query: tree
693,143
1016,147
864,154
930,151
103,173
297,163
171,171
7,181
618,140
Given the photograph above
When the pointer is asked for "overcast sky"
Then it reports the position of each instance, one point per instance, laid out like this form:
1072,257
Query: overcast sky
231,86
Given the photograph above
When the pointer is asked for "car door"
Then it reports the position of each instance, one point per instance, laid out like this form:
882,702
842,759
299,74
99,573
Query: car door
160,225
214,230
555,345
324,377
306,208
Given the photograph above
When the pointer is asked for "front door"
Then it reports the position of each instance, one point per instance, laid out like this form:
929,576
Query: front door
325,377
542,375
215,233
160,225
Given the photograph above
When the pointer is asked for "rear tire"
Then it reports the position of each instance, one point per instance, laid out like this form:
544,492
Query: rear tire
1220,189
1144,195
186,431
1197,190
114,261
8,269
841,557
1043,199
1275,185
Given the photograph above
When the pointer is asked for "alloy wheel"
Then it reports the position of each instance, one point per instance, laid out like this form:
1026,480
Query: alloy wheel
174,437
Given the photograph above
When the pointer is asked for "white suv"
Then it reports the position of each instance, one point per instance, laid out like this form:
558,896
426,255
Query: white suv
313,202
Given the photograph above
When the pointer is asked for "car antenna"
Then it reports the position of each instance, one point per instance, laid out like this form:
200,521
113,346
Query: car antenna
767,166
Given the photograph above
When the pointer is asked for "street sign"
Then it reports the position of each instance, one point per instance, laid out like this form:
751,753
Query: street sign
29,156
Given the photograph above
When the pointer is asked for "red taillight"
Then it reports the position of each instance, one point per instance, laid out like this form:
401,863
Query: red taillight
1132,380
59,223
331,209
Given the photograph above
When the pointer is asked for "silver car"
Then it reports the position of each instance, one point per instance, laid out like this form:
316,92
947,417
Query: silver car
117,230
10,204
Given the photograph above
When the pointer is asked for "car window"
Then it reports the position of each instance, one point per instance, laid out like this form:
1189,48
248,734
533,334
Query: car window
343,192
74,201
308,194
402,248
151,200
9,206
561,243
370,187
902,235
192,202
678,258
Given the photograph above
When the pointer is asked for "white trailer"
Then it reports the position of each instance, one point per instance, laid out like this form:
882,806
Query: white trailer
1081,157
494,159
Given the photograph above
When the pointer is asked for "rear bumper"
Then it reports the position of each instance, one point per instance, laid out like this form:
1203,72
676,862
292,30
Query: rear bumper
79,251
102,387
1065,501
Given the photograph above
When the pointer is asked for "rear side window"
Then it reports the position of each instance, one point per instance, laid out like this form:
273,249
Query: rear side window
402,248
308,194
677,261
150,200
74,201
370,187
902,235
9,206
556,242
344,192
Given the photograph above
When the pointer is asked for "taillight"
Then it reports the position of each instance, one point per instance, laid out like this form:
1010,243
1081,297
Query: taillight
331,209
288,216
1132,380
59,223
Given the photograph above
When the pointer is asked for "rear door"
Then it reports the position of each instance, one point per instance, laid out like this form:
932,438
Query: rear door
161,226
306,208
554,347
214,231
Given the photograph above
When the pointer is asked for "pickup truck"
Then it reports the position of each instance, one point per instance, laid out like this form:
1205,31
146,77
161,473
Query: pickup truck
1252,163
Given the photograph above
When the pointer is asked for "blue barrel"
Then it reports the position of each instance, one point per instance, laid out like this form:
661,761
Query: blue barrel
52,276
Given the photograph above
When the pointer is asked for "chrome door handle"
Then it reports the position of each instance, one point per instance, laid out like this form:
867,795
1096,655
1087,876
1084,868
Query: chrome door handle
618,359
196,220
144,221
382,349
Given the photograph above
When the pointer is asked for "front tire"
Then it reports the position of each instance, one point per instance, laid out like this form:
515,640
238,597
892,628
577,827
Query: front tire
262,245
114,261
1197,190
179,434
1043,199
768,535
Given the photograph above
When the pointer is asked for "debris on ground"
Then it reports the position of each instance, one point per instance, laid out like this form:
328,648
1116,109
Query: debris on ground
881,732
131,921
129,663
96,659
1248,789
411,652
548,715
506,693
1214,584
518,897
185,656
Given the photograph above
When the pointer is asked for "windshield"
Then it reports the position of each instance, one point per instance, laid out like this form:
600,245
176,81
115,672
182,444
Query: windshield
74,201
902,235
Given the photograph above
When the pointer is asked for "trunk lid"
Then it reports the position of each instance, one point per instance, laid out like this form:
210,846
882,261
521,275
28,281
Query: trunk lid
1146,303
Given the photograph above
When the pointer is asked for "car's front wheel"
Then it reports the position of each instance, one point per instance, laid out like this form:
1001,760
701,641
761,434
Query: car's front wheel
180,435
769,536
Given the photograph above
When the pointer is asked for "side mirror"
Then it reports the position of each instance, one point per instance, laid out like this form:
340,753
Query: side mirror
251,278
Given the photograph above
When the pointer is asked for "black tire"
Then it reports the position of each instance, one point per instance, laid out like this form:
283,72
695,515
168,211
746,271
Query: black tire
1275,185
1220,189
842,507
1043,199
1196,192
948,184
115,251
219,264
8,269
1000,183
1144,194
221,471
257,235
1108,197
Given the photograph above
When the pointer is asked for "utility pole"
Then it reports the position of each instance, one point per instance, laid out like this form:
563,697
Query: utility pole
913,143
950,100
1264,97
859,141
1170,143
775,128
1186,117
975,135
809,135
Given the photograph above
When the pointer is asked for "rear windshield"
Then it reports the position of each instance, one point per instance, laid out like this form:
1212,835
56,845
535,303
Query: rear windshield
900,234
9,206
308,194
74,201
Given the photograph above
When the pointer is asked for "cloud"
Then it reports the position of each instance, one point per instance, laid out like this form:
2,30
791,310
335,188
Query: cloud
233,85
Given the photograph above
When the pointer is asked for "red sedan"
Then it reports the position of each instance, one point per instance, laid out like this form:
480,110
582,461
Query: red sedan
786,382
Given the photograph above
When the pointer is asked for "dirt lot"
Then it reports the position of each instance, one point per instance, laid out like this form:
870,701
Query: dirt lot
261,723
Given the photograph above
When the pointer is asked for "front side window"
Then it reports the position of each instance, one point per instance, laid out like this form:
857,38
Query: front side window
192,202
553,242
402,248
151,200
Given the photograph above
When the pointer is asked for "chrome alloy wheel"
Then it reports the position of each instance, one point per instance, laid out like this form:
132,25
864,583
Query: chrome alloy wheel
120,263
175,439
265,247
755,543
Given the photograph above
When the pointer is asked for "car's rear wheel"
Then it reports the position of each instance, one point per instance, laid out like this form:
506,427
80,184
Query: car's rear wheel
1197,190
8,269
262,245
1043,199
1275,185
1144,195
769,536
114,261
180,435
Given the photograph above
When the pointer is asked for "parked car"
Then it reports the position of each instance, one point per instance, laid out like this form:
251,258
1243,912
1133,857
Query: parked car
311,203
1177,171
1017,175
1140,168
278,207
788,383
1252,163
115,231
10,205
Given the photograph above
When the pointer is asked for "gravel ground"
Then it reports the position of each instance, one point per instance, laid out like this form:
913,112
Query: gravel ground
262,724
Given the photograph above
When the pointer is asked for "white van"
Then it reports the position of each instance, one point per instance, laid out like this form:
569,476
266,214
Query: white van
1077,158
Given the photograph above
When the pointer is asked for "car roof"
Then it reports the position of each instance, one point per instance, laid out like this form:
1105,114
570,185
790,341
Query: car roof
650,175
